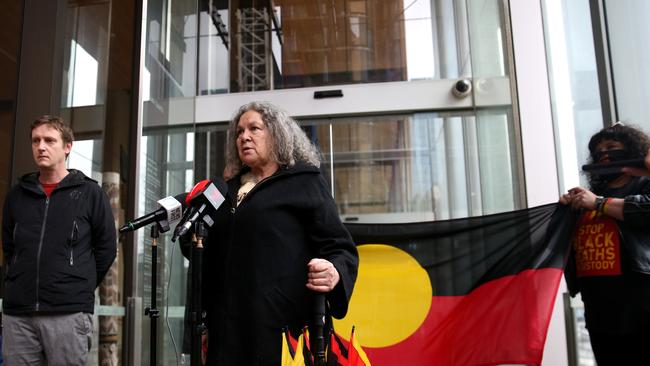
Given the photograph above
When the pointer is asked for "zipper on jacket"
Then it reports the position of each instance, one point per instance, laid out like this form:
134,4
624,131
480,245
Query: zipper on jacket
15,255
73,238
38,253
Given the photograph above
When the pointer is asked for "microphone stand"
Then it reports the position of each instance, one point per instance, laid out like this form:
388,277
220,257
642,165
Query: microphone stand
152,311
158,227
319,325
196,306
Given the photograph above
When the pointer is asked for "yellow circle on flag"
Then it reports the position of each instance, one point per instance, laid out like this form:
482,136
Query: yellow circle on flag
391,297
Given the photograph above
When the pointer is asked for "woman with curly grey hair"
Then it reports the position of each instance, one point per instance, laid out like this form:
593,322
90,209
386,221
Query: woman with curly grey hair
610,264
290,144
277,241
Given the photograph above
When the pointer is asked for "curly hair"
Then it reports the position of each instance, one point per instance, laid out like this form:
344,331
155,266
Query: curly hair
290,144
635,141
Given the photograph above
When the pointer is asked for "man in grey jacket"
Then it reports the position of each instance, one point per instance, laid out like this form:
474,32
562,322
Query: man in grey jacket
59,240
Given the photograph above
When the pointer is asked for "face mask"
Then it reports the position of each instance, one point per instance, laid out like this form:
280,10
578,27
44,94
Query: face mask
613,155
607,178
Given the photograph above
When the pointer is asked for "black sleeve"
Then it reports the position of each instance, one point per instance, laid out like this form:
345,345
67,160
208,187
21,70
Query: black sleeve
334,243
636,208
103,234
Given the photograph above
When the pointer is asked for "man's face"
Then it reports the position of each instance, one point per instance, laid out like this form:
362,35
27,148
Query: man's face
48,149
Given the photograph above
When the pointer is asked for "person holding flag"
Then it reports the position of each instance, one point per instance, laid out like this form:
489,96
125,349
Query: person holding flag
610,261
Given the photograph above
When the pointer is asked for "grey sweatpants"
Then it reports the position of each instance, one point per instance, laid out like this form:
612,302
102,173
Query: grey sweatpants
53,340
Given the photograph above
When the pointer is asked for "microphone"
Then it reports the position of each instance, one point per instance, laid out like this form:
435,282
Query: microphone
190,210
204,199
170,210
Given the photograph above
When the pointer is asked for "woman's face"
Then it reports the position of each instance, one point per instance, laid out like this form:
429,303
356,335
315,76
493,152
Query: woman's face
604,146
254,141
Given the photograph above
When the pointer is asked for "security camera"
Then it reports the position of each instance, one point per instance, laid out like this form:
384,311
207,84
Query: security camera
462,88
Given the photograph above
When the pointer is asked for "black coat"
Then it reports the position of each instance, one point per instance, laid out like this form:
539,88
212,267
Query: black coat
57,249
255,266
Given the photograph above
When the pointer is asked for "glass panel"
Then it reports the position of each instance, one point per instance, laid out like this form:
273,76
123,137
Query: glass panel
166,165
86,156
628,33
303,43
576,108
497,172
213,46
166,170
425,166
488,59
210,151
487,36
86,61
381,166
405,168
574,87
170,58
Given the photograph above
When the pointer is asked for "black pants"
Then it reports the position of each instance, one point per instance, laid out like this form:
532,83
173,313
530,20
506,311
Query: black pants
617,349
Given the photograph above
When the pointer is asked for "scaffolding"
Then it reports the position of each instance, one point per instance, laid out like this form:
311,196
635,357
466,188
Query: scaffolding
255,71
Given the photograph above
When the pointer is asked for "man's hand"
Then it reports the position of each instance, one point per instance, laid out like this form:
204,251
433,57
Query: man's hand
321,275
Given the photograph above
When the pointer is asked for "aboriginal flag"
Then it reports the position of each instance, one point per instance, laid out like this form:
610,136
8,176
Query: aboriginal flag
339,354
474,291
356,357
292,350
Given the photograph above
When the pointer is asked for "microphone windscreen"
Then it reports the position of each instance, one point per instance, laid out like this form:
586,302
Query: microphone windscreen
182,198
198,188
173,209
221,185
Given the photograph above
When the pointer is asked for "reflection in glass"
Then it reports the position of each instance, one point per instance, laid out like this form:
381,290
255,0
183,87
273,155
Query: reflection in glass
86,157
170,58
342,42
248,46
419,40
166,169
83,89
627,33
85,64
417,167
573,78
425,166
213,45
487,37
